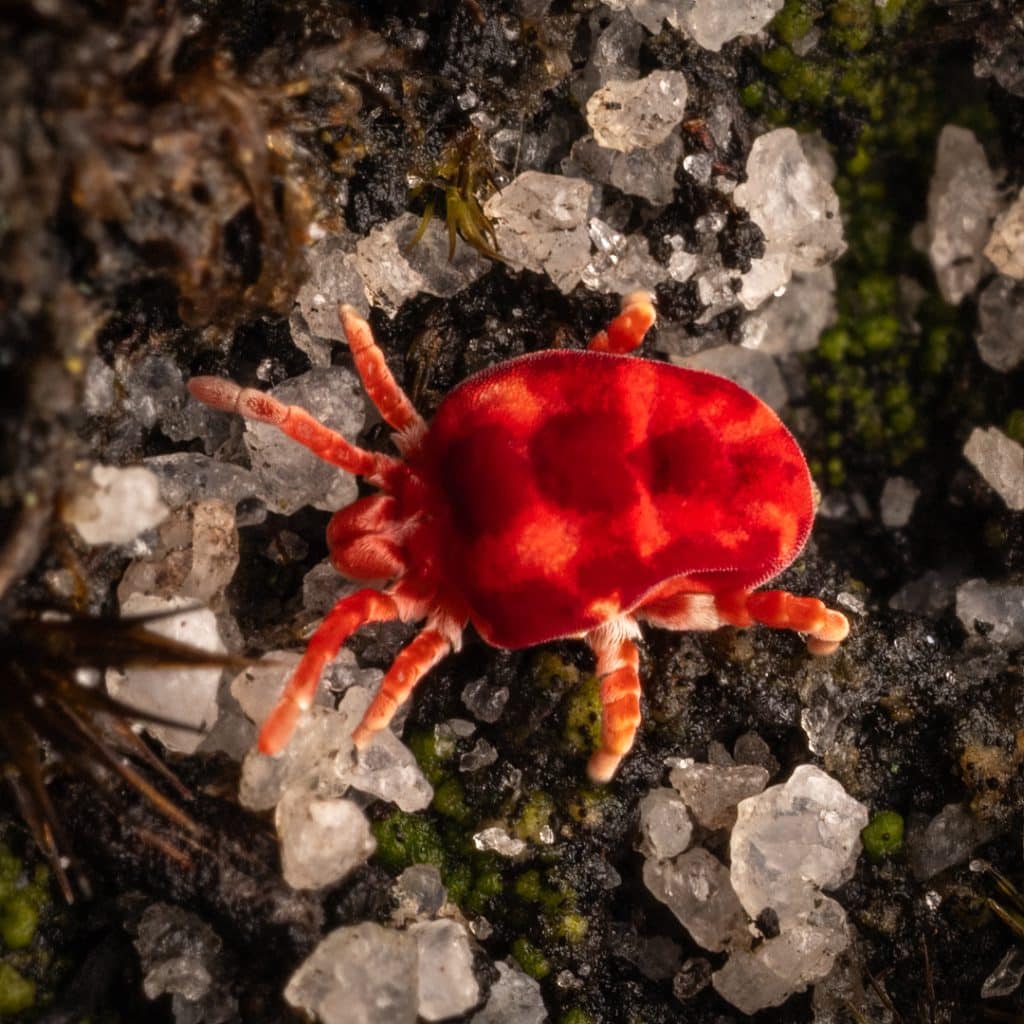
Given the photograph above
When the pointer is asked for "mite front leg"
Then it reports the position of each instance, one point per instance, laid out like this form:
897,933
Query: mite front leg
825,628
626,332
391,401
618,662
296,422
341,622
409,667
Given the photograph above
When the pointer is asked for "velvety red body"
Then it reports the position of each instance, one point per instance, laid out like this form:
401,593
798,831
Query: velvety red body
566,487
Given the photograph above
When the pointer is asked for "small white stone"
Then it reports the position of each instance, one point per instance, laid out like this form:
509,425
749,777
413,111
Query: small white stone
515,999
629,115
713,23
1000,460
696,888
420,893
322,841
1000,336
947,840
116,505
665,826
795,207
713,791
385,767
1005,247
332,279
961,205
185,695
992,610
795,320
792,840
447,985
896,505
1007,976
499,841
647,173
191,476
359,974
541,224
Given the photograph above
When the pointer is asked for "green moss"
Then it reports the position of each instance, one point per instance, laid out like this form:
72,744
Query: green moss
530,958
17,993
450,800
458,880
405,839
795,20
752,95
583,716
571,927
528,886
575,1016
534,815
550,672
883,835
430,755
1014,425
19,919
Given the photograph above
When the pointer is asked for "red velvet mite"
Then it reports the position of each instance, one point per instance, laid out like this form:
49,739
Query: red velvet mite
560,494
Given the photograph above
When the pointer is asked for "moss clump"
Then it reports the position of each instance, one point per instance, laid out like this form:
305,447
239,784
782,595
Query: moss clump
571,927
24,899
575,1016
406,839
528,886
583,716
883,835
17,992
534,817
431,755
530,958
450,800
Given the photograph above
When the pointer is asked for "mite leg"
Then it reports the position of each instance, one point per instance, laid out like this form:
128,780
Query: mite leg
391,401
627,330
412,664
825,628
341,622
617,665
289,419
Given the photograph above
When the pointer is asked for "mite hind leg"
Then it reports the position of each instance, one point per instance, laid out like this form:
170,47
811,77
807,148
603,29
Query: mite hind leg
825,628
618,663
779,609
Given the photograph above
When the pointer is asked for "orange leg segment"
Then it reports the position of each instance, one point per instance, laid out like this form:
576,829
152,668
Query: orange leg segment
411,665
780,609
341,622
289,419
391,401
618,663
626,332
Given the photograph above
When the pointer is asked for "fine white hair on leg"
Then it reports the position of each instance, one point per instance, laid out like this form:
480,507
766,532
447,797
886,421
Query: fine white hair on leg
687,611
612,632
